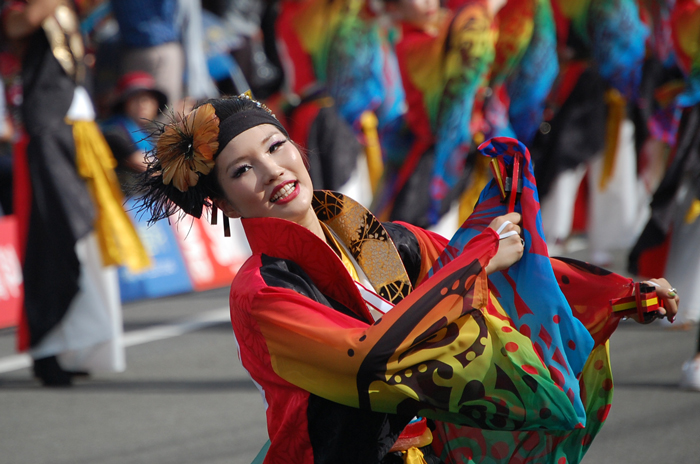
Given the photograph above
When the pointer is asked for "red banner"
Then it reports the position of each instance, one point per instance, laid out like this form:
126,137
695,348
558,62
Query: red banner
10,273
212,260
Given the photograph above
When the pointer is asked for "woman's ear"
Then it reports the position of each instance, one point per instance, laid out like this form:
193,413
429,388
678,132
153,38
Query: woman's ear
226,207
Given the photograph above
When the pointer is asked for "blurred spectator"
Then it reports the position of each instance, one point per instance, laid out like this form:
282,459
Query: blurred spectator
199,84
137,104
252,47
219,44
150,38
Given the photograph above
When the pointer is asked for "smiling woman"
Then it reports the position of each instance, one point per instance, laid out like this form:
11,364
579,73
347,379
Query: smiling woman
360,356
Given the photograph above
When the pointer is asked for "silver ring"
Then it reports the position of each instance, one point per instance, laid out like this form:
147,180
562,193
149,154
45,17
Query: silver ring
672,292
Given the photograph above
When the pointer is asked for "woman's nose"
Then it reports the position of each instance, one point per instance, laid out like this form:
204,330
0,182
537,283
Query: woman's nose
272,171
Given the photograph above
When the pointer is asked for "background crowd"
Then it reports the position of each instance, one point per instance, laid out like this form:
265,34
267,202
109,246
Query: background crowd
390,99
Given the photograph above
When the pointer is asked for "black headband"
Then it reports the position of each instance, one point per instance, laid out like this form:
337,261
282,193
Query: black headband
237,123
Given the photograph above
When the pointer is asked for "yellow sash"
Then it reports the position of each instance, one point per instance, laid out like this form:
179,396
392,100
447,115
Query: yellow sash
119,242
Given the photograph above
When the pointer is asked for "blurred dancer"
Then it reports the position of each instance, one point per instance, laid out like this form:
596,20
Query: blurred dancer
305,32
589,131
523,71
675,217
75,225
511,102
443,57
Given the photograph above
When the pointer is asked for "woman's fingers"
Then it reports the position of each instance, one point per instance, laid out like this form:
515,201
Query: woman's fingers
513,249
507,224
669,296
510,246
515,218
510,250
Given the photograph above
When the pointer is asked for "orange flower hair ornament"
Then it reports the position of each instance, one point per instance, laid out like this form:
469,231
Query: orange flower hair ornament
186,149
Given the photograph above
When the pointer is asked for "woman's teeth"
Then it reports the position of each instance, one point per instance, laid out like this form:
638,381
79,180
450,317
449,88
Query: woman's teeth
284,191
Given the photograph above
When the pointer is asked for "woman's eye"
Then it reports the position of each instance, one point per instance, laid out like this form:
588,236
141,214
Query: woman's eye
275,146
240,171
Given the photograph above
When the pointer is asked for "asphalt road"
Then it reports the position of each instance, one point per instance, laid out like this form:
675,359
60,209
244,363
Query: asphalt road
185,398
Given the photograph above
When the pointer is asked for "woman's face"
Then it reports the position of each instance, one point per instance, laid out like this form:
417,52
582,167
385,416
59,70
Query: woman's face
262,174
141,107
418,12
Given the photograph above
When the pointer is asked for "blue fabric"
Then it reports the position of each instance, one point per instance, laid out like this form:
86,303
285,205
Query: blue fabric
167,275
618,38
94,18
530,86
221,66
453,139
146,23
528,290
138,135
691,95
355,74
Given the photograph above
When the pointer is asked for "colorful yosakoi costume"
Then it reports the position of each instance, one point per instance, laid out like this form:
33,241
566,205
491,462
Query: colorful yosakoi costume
441,70
529,84
338,46
303,31
657,114
589,131
340,384
339,67
511,103
668,242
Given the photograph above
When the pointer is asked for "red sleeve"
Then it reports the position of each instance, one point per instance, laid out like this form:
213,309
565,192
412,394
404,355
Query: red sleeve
592,308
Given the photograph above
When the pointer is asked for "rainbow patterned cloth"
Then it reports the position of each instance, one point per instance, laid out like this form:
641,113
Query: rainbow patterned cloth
531,82
572,344
441,71
539,311
616,36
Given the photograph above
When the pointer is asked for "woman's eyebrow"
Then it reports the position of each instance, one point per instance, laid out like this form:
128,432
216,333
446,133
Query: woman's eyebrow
268,137
262,143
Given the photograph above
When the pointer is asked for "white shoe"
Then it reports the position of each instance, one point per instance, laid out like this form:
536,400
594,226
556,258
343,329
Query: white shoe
690,377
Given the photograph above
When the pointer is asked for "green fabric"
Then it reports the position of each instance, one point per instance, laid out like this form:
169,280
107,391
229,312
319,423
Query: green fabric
262,453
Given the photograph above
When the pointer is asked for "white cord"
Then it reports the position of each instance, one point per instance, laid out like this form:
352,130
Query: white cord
507,234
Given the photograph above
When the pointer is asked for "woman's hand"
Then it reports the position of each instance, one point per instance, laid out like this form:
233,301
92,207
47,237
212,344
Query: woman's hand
511,246
669,295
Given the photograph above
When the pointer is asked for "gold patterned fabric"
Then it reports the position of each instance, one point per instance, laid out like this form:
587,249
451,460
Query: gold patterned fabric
368,242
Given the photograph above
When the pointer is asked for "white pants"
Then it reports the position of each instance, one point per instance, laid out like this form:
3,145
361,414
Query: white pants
616,215
90,336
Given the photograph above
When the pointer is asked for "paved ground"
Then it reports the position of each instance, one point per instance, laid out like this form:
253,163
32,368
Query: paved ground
185,398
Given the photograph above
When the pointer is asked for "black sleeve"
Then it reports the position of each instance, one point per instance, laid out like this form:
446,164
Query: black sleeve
408,247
